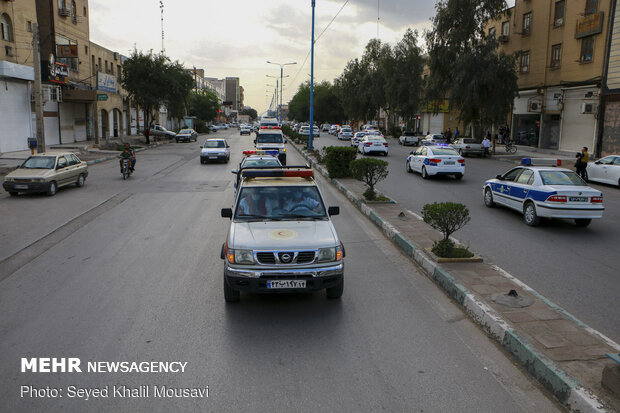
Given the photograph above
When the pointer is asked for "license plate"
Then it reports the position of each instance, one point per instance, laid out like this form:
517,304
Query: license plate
286,284
449,163
212,157
378,144
21,186
578,199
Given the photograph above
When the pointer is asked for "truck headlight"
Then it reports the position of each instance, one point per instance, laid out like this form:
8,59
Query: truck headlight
327,254
244,257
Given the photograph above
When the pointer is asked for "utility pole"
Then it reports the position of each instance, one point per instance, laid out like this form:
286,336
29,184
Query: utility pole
311,137
161,6
38,98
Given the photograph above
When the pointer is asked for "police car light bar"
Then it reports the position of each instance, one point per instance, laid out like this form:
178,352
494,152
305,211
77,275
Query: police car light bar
261,152
277,173
270,127
541,162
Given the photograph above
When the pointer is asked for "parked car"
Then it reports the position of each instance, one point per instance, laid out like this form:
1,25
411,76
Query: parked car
605,170
187,135
409,138
467,146
46,172
161,132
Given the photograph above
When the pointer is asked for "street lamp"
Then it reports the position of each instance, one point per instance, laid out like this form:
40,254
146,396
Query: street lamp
310,138
276,91
281,73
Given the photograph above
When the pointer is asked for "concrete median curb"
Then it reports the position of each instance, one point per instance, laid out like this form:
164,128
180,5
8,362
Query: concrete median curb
564,388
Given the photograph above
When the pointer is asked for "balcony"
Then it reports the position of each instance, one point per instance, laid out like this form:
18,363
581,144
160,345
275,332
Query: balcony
64,12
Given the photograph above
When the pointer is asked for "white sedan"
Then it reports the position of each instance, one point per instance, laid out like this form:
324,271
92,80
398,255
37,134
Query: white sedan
345,134
436,160
356,139
434,139
547,192
605,170
373,143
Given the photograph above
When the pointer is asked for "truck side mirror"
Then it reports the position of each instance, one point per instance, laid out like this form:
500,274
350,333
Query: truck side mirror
226,213
333,210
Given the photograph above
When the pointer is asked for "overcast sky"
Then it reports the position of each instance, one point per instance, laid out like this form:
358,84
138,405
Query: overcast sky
237,37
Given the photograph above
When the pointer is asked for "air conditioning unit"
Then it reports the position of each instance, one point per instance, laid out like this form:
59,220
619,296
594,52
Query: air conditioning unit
533,106
589,108
503,38
64,12
559,22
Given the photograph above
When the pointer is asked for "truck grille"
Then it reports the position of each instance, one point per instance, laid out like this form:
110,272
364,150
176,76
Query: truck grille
266,258
285,257
305,257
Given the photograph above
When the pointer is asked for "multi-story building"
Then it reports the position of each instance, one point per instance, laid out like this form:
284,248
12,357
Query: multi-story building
232,93
17,20
66,70
561,48
112,106
609,142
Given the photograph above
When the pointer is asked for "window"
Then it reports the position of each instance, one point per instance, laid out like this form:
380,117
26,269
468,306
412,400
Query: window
29,26
118,72
492,32
511,175
526,177
8,50
556,55
92,64
73,12
587,49
558,18
84,11
85,49
524,62
527,23
106,66
5,27
62,4
505,28
591,6
99,65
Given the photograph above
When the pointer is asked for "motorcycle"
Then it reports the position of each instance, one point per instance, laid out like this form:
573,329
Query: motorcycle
125,168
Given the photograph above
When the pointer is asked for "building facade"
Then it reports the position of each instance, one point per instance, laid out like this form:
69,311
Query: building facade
17,20
233,98
112,109
560,47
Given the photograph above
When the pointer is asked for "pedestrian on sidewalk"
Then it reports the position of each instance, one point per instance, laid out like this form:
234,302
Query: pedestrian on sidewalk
457,132
582,163
486,144
448,136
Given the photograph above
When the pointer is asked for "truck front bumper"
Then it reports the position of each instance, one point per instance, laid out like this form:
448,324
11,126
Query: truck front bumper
255,280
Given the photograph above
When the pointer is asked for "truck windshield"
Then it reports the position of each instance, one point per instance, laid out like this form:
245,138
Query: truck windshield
280,203
269,138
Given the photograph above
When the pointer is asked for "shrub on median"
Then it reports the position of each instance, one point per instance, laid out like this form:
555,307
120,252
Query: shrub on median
447,217
338,160
370,171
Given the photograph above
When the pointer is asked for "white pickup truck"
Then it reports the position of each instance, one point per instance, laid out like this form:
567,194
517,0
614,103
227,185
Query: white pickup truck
409,138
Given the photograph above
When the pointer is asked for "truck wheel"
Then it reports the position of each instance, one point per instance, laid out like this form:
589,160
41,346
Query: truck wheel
335,291
230,294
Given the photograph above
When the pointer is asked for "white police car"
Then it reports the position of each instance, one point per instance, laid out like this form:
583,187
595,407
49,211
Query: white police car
436,160
544,191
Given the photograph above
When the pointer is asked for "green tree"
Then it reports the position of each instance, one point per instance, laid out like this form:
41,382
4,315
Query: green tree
407,83
250,112
465,64
203,104
152,81
370,171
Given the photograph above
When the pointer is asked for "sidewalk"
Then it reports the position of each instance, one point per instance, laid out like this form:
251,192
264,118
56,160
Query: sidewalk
86,150
566,356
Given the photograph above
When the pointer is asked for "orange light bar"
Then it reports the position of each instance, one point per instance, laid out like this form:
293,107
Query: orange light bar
249,152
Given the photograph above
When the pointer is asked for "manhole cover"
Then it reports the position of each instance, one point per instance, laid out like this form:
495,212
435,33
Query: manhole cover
512,299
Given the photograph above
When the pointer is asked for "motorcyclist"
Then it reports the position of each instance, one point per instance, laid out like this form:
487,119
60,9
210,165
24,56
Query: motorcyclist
132,157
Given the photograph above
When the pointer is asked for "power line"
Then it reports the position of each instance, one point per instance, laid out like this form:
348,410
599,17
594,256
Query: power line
316,40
